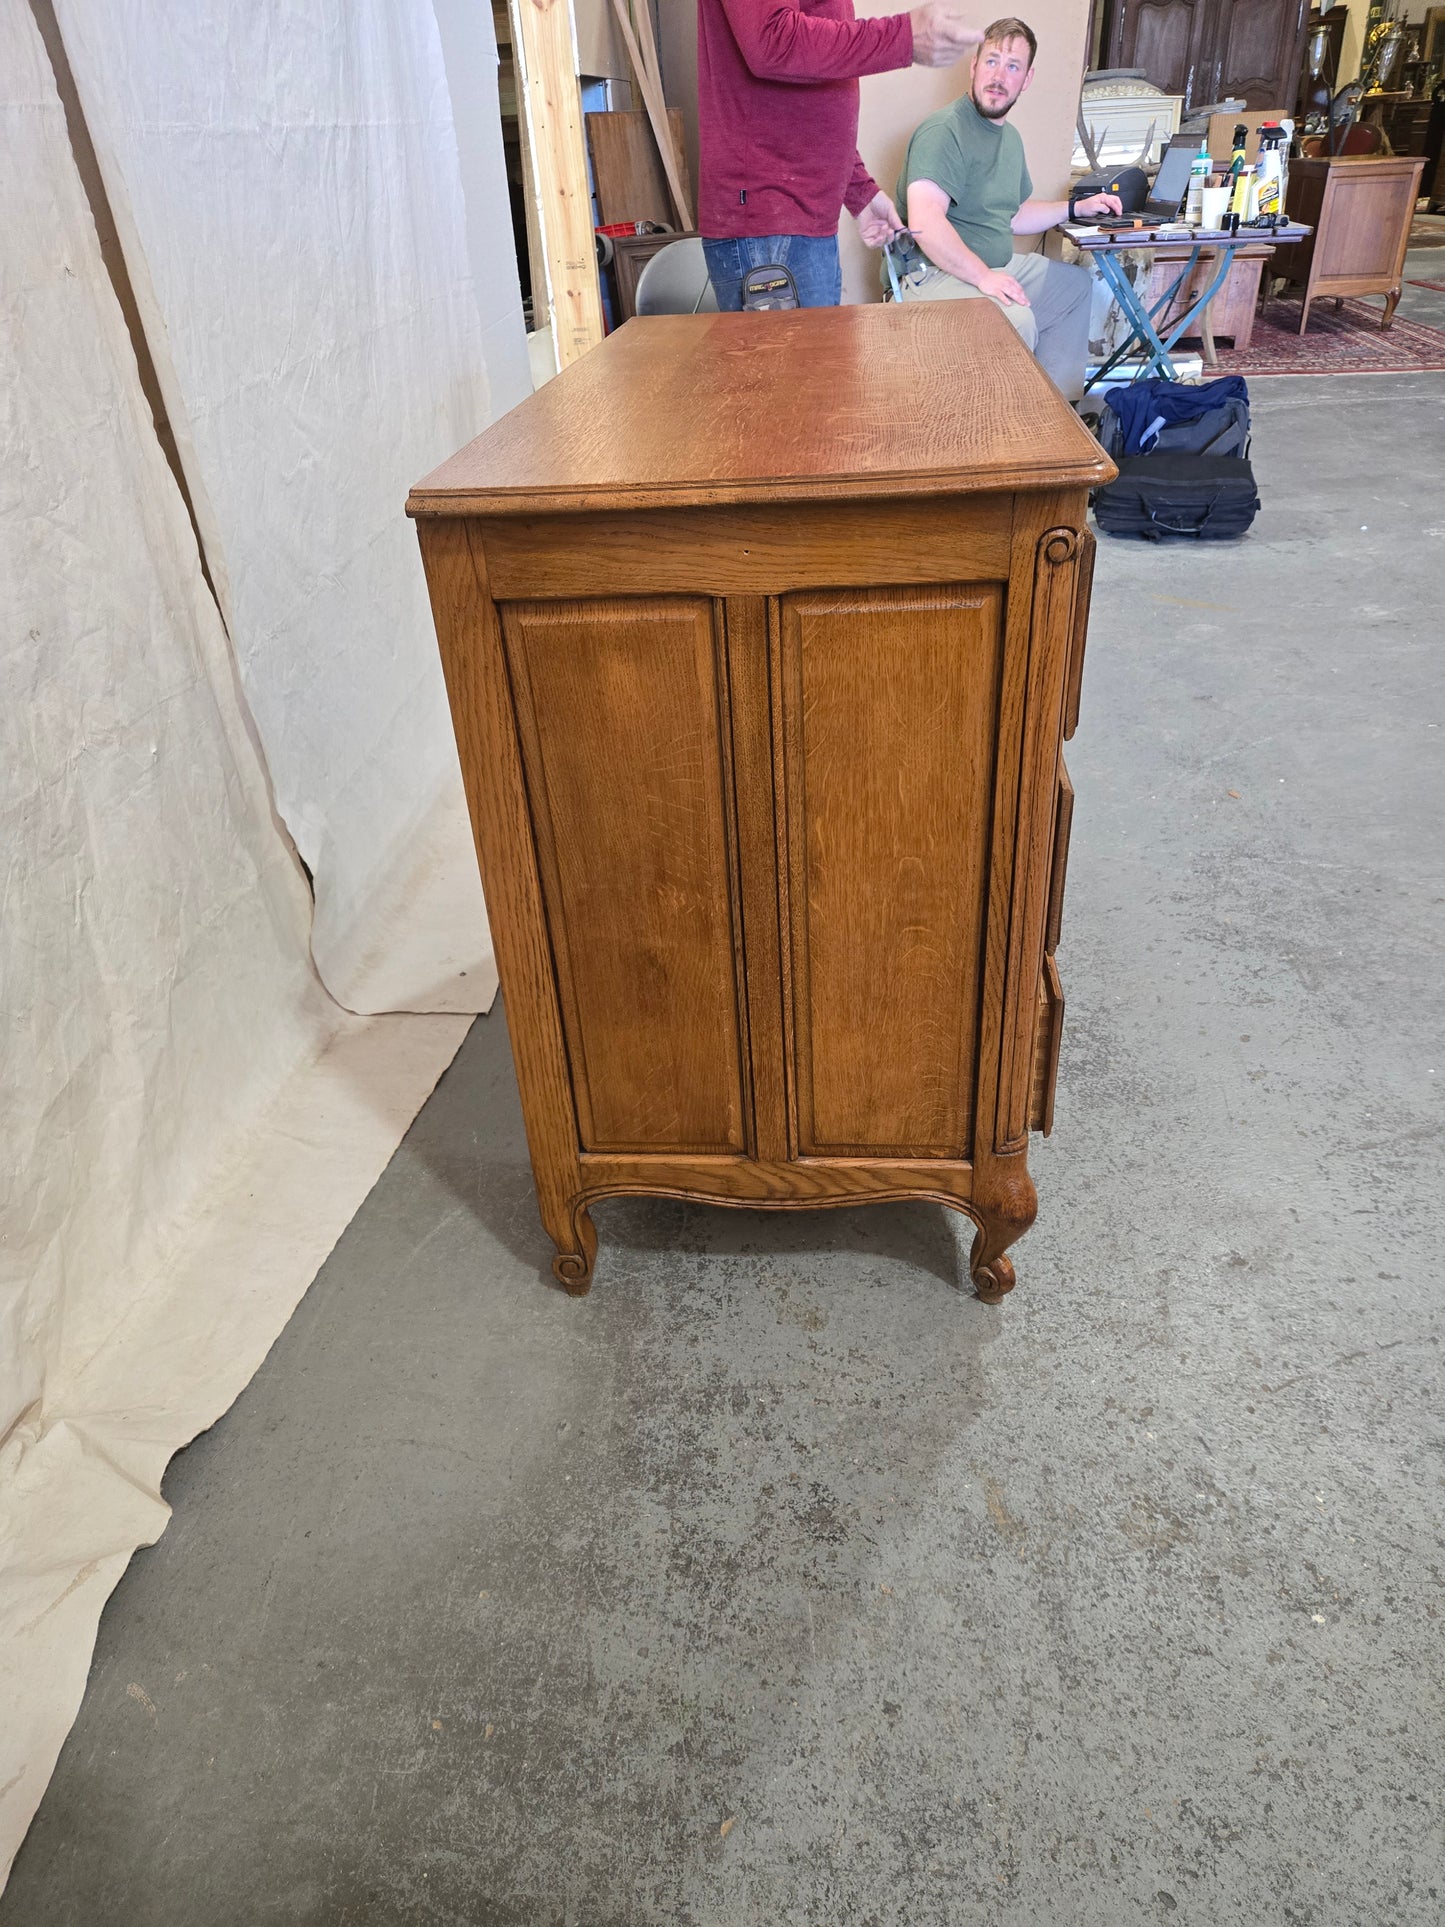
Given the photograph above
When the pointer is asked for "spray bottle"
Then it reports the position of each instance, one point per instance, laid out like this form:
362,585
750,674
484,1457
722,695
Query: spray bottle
1239,178
1273,173
1198,180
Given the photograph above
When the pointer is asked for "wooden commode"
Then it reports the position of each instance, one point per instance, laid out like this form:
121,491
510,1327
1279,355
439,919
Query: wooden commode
761,634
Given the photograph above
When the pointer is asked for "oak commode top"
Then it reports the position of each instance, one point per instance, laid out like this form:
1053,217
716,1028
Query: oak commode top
761,635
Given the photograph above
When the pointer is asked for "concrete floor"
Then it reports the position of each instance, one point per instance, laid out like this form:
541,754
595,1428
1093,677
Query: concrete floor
780,1581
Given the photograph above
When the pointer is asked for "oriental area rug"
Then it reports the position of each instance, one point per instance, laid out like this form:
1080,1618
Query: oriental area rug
1347,342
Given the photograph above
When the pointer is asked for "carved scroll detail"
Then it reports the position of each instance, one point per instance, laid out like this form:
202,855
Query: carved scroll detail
1055,572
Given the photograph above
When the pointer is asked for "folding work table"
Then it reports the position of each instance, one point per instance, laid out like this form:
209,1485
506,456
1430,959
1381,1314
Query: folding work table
1106,246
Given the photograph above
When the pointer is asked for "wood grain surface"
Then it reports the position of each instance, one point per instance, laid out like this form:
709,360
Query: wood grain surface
1059,862
544,50
765,770
937,397
627,762
1361,208
627,167
890,711
754,551
474,661
1050,626
1047,1039
1079,634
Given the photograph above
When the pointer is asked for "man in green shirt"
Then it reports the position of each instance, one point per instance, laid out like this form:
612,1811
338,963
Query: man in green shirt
966,187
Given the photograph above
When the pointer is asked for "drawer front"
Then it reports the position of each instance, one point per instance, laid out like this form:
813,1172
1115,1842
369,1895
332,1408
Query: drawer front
888,719
1080,633
1048,1033
753,551
621,714
1059,861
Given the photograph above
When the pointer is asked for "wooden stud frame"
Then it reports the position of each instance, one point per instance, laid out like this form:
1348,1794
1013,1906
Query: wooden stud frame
545,42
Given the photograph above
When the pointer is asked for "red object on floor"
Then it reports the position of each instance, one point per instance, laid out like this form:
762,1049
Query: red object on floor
1437,286
1349,342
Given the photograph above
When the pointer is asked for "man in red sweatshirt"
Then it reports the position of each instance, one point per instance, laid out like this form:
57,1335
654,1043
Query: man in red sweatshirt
777,84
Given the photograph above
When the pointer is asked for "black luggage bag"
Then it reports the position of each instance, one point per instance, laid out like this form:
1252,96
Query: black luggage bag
1209,497
1183,458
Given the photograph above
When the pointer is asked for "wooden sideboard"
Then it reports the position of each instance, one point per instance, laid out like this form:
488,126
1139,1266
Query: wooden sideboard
1360,207
630,255
1230,315
761,635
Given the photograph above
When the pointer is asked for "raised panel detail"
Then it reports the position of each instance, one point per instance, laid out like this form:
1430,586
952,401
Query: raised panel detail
1166,38
621,712
1367,213
1210,49
889,715
1259,61
1059,861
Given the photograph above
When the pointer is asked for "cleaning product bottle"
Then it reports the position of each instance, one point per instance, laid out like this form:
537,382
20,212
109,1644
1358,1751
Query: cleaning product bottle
1198,181
1273,163
1239,177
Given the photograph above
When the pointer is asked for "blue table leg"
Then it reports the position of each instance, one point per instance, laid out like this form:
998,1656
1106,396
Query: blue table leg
1157,352
1139,318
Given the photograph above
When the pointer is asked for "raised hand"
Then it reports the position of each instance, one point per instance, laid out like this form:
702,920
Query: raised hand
941,36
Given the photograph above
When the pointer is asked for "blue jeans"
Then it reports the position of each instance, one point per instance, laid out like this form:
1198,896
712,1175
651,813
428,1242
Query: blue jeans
811,260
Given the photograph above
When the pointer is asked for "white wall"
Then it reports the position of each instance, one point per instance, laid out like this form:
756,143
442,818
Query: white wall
600,48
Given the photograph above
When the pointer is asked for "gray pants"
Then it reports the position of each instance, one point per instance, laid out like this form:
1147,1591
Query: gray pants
1055,327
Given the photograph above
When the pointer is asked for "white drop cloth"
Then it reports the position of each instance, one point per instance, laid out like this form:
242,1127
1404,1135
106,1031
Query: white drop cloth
325,282
189,1121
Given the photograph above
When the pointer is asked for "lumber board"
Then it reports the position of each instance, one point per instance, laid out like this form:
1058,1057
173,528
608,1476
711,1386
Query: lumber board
627,168
544,44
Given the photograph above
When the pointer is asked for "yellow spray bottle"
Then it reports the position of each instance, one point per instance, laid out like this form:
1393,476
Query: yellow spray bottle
1239,175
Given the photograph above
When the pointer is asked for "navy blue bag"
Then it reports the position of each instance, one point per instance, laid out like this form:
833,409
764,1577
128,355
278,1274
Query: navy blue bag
1146,412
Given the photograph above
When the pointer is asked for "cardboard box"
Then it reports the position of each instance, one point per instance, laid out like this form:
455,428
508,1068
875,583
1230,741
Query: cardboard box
1221,134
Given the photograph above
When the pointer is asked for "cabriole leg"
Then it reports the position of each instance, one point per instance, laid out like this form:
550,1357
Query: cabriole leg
1002,1218
575,1236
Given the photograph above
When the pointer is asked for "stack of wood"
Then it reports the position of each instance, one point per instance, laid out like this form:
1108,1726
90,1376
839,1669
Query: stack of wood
639,166
632,151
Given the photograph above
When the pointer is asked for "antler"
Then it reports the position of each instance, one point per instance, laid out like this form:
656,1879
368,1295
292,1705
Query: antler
1141,159
1087,139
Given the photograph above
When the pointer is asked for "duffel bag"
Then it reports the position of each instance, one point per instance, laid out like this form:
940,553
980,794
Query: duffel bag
1221,430
1142,417
1209,497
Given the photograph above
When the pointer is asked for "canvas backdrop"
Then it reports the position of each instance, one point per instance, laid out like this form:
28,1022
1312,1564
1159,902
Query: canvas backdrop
190,1118
333,305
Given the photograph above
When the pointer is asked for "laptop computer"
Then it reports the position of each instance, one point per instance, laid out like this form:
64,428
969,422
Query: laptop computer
1171,183
1166,195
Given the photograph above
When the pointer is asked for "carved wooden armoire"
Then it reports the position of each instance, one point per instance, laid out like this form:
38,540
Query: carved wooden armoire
1209,50
762,633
